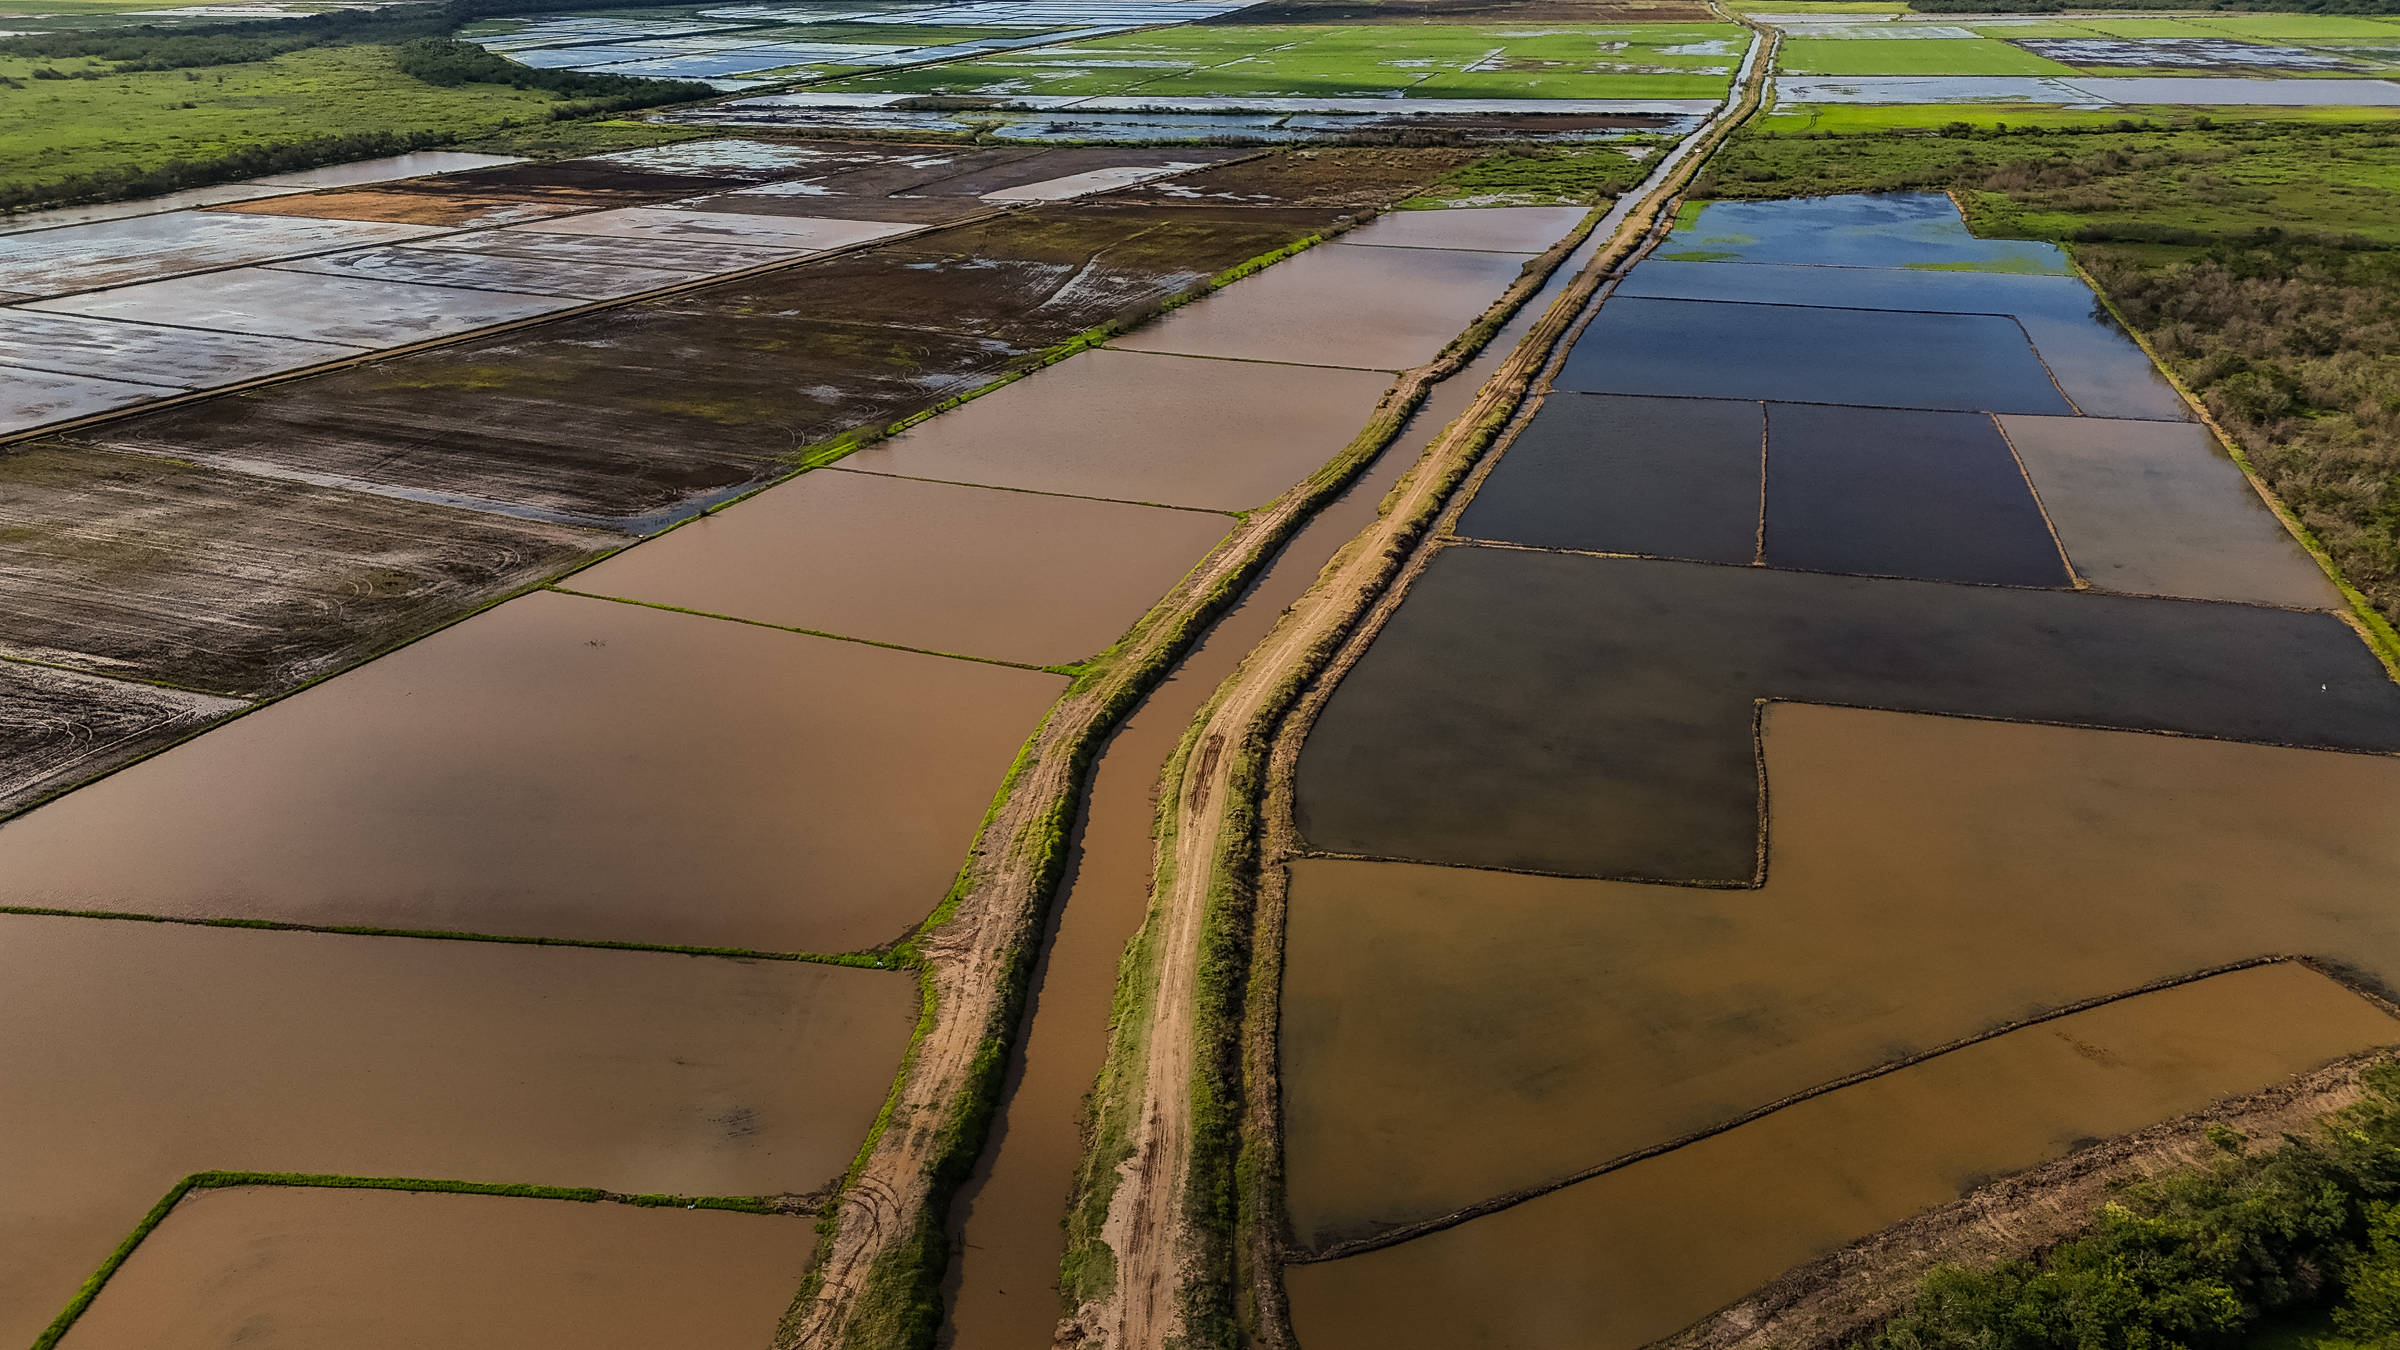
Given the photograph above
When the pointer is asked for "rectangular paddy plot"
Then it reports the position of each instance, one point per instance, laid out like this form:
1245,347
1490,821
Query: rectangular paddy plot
167,1049
1340,304
33,398
565,767
144,566
1885,229
627,415
58,725
1623,1259
490,272
2090,357
1806,354
1137,426
1594,716
975,571
1452,1035
150,248
1605,473
2157,508
301,1266
183,358
274,303
1894,492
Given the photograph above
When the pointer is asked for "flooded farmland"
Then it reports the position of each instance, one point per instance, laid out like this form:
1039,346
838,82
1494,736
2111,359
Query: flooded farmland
297,1266
303,1052
1638,1253
1571,913
565,767
942,567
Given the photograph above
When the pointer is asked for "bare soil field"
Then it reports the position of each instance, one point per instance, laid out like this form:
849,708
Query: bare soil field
302,1052
167,570
57,725
293,1267
627,415
1622,1259
1340,177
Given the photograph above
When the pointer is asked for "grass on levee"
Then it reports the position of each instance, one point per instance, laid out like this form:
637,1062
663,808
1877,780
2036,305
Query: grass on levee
2260,260
54,131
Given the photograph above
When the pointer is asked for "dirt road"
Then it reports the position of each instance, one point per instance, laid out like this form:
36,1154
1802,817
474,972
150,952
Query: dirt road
1147,1227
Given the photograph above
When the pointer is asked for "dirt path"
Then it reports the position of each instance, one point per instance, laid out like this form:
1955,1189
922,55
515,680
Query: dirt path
1147,1227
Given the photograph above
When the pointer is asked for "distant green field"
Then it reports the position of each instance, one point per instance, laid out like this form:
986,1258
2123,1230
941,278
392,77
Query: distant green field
1847,118
1421,61
53,130
1911,56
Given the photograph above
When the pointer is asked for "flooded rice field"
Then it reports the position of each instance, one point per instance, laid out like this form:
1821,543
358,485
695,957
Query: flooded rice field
271,303
2157,508
1808,354
150,248
1347,303
177,357
2100,369
1872,754
303,1052
142,566
2068,864
1636,1254
480,271
1595,716
290,1267
565,767
975,571
1143,427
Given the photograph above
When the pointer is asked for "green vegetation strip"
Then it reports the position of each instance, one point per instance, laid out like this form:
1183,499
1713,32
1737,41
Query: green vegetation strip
202,1181
2295,1248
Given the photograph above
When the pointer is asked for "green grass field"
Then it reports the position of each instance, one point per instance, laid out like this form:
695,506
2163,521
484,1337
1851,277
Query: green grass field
1420,61
56,130
1835,119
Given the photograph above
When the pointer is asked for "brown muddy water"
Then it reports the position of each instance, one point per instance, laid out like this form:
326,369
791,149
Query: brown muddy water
1004,575
564,767
2159,508
165,1049
1003,1279
1142,427
1633,1255
1450,1035
1339,305
301,1268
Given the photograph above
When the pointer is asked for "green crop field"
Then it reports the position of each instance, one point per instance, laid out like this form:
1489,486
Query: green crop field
1421,61
54,130
1912,56
1833,119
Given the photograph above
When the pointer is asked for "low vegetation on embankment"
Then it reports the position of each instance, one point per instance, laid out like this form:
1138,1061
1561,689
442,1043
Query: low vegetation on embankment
2260,259
133,112
2293,1248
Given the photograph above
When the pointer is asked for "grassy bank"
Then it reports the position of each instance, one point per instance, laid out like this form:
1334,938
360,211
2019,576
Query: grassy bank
2294,1248
2260,261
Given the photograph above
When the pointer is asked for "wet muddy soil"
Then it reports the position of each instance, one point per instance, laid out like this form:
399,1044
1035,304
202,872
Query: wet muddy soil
489,272
1451,1035
1623,1259
565,767
57,726
1004,575
627,414
139,565
1144,427
1349,177
1806,354
293,1267
1593,716
165,1049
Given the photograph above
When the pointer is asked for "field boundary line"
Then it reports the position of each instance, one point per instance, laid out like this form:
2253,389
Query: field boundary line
205,1181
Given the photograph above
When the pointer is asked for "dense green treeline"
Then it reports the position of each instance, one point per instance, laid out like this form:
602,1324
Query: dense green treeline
2203,1259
